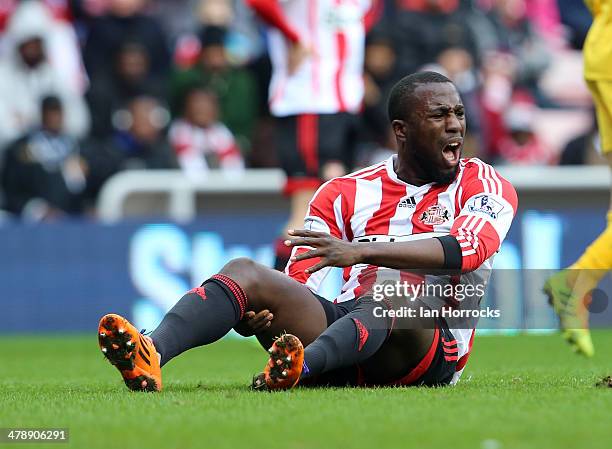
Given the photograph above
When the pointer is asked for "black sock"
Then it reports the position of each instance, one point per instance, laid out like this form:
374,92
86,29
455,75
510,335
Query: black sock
202,316
352,339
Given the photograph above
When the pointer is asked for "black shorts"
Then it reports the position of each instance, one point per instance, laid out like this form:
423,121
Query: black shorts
306,142
435,369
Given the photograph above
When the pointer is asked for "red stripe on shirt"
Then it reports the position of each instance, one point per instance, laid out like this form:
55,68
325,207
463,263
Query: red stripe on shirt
371,176
430,198
296,271
379,224
482,244
366,280
363,171
349,191
346,273
341,45
392,193
229,152
464,358
180,148
410,278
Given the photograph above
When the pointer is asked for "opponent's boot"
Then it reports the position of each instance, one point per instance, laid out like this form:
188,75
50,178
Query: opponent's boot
572,311
284,366
132,353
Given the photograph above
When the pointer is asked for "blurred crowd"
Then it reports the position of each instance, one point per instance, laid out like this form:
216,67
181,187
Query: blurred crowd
92,87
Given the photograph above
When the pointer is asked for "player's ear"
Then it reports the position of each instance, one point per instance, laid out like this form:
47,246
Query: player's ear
399,129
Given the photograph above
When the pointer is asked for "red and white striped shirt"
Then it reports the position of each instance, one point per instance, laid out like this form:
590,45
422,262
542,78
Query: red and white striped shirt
193,145
373,204
330,80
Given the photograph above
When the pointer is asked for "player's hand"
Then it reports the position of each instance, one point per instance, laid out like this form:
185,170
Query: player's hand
254,323
332,251
296,55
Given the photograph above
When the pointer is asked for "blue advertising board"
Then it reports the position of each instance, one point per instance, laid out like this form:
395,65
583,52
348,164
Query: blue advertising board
63,276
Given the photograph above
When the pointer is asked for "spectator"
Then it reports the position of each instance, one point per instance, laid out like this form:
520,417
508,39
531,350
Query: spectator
577,18
200,140
138,142
521,145
546,19
515,66
27,75
181,21
60,9
425,28
233,86
380,74
130,77
61,40
124,21
496,95
43,175
584,149
516,37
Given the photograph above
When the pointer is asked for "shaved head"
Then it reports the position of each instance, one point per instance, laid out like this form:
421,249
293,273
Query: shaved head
401,96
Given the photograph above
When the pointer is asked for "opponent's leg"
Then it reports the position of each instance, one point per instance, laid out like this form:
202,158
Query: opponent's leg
312,150
299,199
569,290
596,260
298,148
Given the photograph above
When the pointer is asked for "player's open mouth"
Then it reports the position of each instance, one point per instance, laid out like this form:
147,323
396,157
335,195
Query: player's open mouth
452,151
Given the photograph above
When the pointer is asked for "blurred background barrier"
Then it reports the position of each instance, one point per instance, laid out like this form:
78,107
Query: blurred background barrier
170,193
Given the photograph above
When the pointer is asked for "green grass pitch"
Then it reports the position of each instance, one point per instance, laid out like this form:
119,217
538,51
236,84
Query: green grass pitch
517,392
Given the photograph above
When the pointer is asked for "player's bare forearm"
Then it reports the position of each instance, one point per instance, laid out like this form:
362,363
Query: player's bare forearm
417,254
333,252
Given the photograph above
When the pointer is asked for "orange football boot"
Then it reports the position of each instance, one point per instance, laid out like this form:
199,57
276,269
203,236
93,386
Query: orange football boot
132,353
284,366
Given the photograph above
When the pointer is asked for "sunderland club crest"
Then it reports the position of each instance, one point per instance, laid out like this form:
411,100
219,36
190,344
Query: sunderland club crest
435,215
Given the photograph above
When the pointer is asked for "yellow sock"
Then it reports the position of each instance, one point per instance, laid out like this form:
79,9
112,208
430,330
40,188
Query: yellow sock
595,262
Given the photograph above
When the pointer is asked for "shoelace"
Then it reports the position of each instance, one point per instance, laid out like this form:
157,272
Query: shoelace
146,334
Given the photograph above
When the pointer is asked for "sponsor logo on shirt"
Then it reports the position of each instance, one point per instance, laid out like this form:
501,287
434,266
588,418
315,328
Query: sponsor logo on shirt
408,202
342,16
